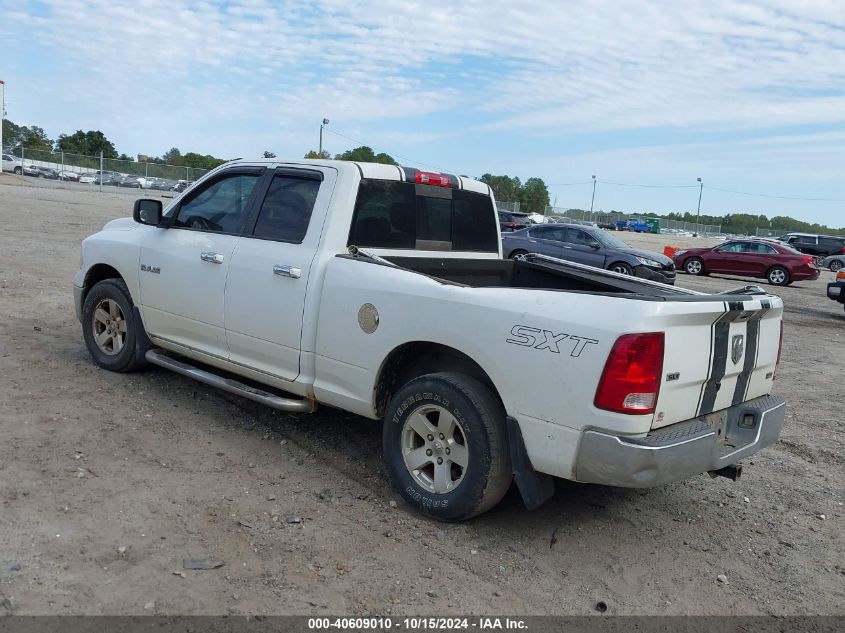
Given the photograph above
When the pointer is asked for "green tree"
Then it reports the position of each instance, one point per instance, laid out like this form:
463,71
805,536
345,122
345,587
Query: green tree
533,196
32,137
199,161
269,154
89,143
365,154
505,188
172,157
315,154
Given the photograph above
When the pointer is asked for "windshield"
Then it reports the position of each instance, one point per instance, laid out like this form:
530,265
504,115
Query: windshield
609,240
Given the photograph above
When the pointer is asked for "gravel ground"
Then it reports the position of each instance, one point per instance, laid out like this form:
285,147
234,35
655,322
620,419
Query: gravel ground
107,482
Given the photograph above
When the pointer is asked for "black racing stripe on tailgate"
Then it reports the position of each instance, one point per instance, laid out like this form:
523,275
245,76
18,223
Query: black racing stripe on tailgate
721,343
752,352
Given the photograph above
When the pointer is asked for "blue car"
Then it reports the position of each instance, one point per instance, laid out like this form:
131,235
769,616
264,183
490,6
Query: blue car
636,225
588,245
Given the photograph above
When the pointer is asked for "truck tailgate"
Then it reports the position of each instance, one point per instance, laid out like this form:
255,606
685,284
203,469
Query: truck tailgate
718,357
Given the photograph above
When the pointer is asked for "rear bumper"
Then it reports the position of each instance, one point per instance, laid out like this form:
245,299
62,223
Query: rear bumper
682,450
804,275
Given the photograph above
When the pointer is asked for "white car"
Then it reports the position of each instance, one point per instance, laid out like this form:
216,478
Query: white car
382,291
10,163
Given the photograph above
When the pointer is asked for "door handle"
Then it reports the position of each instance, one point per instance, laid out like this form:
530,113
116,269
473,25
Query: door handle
287,271
214,258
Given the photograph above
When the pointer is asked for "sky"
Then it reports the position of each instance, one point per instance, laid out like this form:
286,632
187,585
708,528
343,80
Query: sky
748,96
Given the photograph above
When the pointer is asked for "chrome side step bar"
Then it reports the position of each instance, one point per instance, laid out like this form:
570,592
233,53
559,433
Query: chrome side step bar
232,386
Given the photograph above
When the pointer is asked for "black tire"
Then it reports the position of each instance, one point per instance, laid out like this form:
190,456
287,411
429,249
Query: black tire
518,254
778,276
835,265
621,267
694,266
18,171
130,356
481,421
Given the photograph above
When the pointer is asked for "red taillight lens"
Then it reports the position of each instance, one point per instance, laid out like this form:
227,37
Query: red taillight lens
809,260
433,178
842,250
630,382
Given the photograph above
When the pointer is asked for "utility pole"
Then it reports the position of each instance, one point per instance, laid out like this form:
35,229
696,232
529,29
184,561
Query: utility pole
593,199
324,123
101,171
2,110
698,213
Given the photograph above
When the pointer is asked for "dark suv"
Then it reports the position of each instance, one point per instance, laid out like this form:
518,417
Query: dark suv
813,244
509,221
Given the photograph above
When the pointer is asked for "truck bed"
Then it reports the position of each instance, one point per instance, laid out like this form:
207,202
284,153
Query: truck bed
546,273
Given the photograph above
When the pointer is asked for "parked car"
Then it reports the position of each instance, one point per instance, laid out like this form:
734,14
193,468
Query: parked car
136,182
778,263
70,176
10,163
319,281
105,177
512,221
834,262
836,289
588,245
634,224
162,184
180,186
29,170
813,244
46,172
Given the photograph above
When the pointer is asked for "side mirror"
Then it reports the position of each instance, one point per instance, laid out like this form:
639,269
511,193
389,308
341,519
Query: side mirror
595,245
147,211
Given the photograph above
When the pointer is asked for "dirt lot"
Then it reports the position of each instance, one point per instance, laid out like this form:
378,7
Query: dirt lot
107,482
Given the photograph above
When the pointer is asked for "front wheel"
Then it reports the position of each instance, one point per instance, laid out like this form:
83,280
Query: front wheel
621,268
694,266
836,265
445,446
519,255
110,328
778,276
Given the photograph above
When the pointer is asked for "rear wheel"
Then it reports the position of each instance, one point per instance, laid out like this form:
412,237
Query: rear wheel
622,268
694,266
519,254
445,446
18,171
778,276
836,265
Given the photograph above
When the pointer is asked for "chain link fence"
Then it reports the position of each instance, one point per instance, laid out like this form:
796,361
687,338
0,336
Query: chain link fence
69,166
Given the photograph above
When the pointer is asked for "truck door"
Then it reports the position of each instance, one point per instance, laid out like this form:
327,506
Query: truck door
184,267
270,274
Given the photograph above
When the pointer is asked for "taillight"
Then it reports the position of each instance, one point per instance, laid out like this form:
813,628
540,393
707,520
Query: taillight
630,382
842,250
433,178
840,276
809,260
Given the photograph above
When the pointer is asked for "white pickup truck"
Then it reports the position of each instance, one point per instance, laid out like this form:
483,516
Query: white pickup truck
381,290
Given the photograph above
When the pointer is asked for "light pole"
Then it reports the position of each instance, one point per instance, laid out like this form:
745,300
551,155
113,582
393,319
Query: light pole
698,213
325,122
593,199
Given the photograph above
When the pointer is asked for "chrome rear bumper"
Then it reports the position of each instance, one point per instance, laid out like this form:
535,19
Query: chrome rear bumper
681,450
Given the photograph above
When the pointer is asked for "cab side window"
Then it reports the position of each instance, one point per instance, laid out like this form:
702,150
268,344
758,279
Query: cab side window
286,210
219,207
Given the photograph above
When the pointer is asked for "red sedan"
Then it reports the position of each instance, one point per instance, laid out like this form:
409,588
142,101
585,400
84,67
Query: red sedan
778,263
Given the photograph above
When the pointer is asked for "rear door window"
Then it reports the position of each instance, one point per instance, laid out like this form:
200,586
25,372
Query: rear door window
286,210
402,215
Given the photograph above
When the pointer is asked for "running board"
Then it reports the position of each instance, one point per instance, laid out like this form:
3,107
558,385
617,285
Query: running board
232,386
